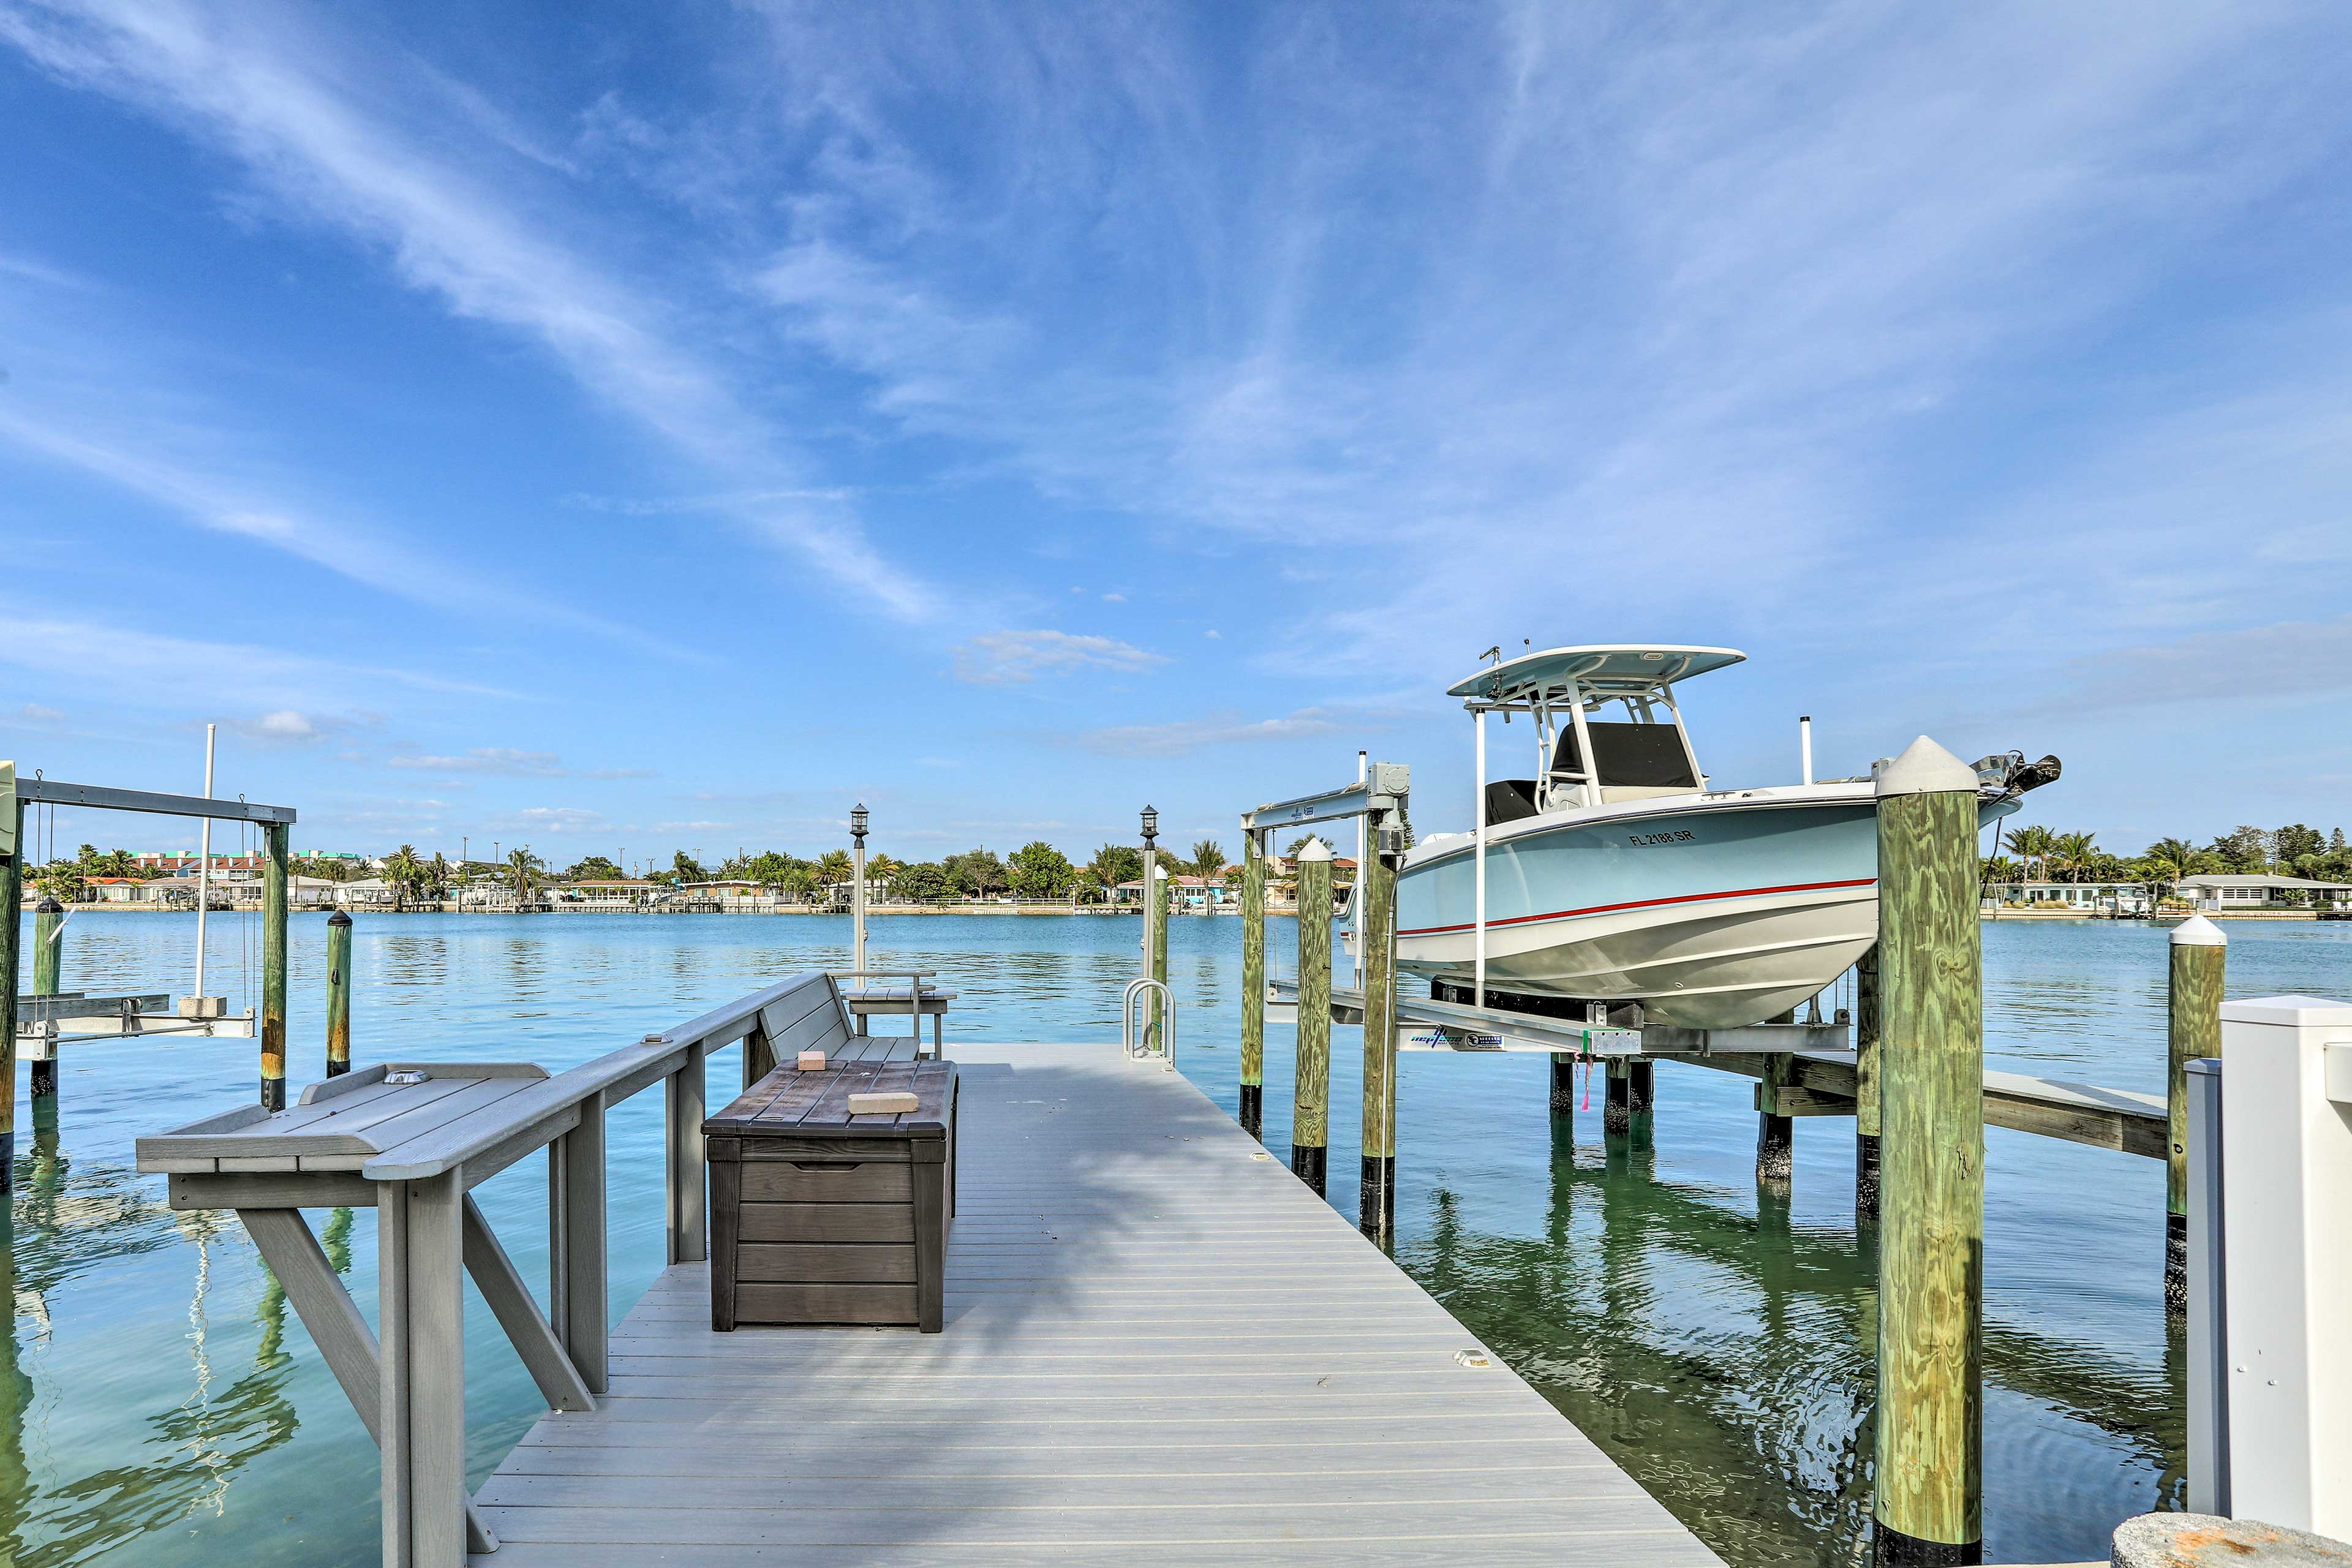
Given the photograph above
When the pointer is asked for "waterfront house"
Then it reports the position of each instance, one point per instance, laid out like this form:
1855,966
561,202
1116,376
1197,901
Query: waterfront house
612,893
2084,897
2225,893
366,893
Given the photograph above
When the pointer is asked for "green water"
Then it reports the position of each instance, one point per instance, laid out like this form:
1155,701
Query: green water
163,1405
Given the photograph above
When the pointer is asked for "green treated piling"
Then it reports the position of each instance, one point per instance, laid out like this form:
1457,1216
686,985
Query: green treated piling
12,895
1865,1087
1376,962
1563,1087
1930,1461
339,993
2201,953
1642,1096
1251,1107
1617,1107
273,969
1310,1120
48,965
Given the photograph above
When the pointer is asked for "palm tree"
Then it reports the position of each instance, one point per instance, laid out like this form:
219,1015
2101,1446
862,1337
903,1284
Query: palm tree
2073,853
404,870
523,868
2169,861
1996,868
1208,857
437,874
2032,845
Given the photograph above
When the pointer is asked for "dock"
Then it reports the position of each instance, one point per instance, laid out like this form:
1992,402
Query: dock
1160,1347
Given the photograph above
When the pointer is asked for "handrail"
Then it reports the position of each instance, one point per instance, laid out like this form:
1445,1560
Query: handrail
616,1075
1135,988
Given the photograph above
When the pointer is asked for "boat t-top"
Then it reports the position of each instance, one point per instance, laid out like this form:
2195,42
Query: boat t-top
1619,872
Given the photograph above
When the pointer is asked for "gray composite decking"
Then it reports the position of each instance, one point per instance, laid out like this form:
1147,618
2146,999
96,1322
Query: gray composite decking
1160,1347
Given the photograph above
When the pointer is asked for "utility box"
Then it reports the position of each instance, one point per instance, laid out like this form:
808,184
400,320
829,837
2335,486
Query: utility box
2286,1195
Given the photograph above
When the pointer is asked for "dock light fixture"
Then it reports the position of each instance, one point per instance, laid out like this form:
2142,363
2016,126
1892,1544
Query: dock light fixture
857,822
1151,827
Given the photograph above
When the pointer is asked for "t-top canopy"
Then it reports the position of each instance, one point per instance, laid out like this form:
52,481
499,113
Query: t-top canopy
1600,670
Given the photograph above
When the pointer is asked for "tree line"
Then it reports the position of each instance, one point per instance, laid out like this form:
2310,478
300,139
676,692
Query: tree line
2045,855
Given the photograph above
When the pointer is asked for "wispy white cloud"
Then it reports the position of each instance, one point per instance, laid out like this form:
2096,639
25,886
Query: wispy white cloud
502,761
995,657
1178,737
265,85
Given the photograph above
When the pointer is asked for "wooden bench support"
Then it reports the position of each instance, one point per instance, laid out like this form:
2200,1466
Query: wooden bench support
584,1323
420,1248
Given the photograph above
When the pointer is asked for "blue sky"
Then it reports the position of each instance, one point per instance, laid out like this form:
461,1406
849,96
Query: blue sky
621,427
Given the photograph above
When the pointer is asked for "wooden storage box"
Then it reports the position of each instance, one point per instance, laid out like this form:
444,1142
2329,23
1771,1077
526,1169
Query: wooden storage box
819,1216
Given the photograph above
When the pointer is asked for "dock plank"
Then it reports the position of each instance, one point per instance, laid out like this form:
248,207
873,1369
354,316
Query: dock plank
1159,1349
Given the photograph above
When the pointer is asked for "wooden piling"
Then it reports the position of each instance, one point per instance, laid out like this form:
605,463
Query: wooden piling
12,895
1310,1120
1563,1085
1376,964
1617,1109
1866,1086
49,963
2193,1029
273,968
1641,1094
1252,1108
1930,1463
1776,1154
339,993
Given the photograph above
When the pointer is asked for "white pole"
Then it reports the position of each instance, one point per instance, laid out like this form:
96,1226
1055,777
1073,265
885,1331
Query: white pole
205,862
1355,901
1478,996
1805,743
858,908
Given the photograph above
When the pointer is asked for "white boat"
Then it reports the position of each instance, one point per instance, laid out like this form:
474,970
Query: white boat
1633,876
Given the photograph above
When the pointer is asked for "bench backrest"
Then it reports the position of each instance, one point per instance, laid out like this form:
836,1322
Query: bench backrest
811,1017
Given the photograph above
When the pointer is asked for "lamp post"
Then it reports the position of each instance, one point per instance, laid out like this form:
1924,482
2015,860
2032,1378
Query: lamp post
857,887
1151,918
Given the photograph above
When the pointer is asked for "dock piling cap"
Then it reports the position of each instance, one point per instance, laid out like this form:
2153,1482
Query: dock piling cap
2199,932
1316,849
1926,768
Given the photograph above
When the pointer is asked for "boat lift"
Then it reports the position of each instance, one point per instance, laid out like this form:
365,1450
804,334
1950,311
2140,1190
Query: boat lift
33,1026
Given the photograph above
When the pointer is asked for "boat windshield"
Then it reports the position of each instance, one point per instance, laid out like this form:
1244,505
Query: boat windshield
1630,755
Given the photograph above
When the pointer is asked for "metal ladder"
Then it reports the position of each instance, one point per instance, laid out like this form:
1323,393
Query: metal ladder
1136,1050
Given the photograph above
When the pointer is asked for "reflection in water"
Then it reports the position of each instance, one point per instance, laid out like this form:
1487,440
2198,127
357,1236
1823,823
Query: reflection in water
1718,1345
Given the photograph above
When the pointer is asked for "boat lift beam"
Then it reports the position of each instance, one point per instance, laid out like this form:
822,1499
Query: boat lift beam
1383,788
97,797
1458,1027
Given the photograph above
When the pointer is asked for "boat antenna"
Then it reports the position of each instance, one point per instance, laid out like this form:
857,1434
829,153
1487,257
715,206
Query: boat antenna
1495,653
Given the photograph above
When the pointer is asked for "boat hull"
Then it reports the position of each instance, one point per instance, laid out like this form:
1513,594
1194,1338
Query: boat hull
1709,916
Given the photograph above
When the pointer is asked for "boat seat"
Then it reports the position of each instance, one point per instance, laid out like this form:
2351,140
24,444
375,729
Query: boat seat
1509,800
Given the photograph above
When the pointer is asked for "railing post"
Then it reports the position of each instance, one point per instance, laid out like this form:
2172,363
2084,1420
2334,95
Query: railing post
421,1312
584,1328
1251,1110
339,993
273,967
2199,953
1376,965
759,1055
48,964
1310,1124
682,1103
1865,1087
1930,1463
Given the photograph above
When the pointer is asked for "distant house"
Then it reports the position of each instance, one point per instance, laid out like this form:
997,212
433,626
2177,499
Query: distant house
366,893
115,890
2223,893
607,893
2091,898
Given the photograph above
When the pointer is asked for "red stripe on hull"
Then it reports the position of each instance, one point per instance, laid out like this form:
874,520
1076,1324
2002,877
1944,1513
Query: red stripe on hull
1643,904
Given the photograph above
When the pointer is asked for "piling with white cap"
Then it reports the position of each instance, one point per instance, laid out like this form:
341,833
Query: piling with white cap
1930,1461
2193,1029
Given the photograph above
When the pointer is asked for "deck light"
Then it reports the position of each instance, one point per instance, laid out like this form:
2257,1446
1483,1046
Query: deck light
1151,826
857,822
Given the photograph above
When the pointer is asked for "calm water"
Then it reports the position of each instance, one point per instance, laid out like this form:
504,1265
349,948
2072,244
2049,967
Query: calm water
168,1408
